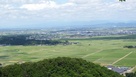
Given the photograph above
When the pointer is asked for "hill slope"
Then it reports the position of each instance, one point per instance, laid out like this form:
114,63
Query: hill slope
57,67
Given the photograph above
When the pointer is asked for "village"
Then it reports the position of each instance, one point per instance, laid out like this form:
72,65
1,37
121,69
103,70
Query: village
70,33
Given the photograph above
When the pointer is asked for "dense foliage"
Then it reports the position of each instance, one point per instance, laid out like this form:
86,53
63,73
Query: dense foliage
115,37
131,74
122,0
22,40
130,46
57,67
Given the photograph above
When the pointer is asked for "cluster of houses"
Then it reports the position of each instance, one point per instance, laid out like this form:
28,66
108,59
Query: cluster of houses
120,70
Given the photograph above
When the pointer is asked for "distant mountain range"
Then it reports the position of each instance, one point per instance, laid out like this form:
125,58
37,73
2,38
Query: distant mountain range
72,25
120,24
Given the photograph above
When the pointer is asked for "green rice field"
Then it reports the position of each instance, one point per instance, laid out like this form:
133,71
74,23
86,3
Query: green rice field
104,52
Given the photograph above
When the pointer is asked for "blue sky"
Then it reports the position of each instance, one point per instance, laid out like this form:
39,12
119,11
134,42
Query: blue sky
29,13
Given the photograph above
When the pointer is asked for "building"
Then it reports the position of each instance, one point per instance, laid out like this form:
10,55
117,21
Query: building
120,70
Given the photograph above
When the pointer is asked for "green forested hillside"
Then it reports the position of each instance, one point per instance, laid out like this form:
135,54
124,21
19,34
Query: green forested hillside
57,67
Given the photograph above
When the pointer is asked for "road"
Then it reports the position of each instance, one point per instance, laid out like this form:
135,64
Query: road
121,58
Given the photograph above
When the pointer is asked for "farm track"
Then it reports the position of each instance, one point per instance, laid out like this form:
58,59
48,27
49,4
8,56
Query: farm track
132,69
121,58
91,54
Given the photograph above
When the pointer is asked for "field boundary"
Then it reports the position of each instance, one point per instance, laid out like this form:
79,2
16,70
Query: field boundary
121,58
91,54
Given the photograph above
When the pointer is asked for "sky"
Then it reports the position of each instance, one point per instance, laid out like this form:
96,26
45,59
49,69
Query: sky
34,13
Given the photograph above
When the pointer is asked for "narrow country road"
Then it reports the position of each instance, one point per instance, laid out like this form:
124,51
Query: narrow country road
121,58
91,54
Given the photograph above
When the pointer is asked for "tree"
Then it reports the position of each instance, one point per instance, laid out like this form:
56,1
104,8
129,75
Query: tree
131,74
122,0
57,67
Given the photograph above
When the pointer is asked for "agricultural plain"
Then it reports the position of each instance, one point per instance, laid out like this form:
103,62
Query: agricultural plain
104,52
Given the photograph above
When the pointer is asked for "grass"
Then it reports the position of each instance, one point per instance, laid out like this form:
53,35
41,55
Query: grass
103,52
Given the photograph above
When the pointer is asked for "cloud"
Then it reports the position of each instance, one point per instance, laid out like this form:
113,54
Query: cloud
45,5
40,6
70,10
